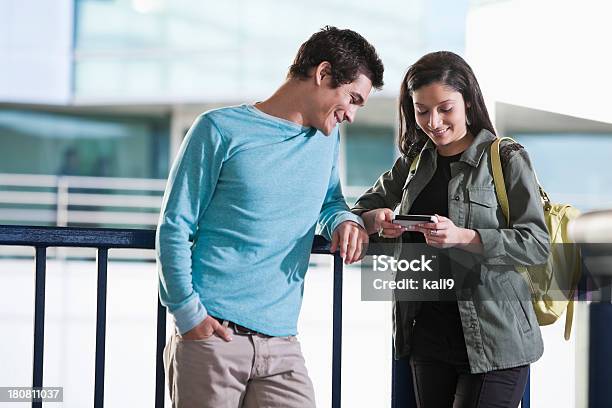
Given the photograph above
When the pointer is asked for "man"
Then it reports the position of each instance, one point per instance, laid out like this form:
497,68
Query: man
237,225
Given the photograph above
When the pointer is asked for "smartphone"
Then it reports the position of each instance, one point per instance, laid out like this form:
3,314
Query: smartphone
407,220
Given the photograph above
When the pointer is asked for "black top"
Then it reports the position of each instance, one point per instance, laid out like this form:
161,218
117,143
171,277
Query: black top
438,333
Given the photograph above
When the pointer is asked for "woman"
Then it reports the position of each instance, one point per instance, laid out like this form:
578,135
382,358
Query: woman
476,351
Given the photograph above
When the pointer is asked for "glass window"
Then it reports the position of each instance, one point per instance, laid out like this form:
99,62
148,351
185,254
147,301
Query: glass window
570,167
369,152
52,143
233,50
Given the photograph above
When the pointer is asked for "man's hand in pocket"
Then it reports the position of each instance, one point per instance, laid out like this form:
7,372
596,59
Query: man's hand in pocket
207,328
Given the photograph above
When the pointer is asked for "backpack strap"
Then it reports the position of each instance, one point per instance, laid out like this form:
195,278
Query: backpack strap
569,317
498,178
414,165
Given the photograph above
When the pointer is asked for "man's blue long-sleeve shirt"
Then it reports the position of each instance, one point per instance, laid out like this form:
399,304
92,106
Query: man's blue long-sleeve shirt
239,215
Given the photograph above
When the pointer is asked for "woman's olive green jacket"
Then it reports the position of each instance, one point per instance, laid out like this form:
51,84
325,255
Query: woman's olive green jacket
499,324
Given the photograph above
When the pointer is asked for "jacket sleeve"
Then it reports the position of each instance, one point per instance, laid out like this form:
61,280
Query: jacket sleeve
387,191
526,241
334,210
191,184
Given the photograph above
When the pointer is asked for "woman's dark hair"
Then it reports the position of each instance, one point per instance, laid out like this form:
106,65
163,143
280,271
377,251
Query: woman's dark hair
348,53
448,69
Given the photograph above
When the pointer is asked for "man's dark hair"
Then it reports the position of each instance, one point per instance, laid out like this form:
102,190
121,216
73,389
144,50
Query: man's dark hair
448,69
348,53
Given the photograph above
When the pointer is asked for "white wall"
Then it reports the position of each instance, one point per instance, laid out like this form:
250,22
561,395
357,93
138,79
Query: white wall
35,50
544,54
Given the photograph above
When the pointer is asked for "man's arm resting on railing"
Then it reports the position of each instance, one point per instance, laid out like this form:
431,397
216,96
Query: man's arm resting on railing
344,229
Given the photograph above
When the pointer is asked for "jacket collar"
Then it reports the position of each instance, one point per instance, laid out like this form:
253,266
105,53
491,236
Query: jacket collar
474,152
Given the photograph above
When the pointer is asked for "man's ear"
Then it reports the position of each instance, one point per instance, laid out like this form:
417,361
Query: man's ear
321,72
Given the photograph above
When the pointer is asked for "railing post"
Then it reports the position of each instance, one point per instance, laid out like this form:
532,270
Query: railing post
526,400
42,237
402,391
100,328
600,348
337,334
39,320
159,358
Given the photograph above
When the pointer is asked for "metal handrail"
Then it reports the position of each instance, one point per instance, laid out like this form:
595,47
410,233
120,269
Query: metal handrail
115,183
80,201
104,239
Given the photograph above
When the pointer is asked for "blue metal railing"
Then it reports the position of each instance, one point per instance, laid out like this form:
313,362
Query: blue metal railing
41,238
104,239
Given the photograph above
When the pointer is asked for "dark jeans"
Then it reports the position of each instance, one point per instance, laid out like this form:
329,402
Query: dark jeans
442,385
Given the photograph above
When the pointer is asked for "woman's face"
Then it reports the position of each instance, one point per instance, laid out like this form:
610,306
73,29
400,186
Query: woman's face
440,111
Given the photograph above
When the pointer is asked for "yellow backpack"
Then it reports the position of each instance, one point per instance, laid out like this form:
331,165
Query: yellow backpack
554,284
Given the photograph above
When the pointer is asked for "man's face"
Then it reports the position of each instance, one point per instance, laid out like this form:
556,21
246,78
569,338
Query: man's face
335,105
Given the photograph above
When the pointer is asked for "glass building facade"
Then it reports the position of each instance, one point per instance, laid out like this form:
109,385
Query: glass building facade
568,174
238,49
161,54
43,142
370,151
222,50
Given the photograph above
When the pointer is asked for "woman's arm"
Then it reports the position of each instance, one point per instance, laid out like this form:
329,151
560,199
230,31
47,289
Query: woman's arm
376,205
387,191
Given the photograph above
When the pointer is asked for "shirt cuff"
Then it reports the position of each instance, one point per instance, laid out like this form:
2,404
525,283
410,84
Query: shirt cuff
347,216
189,315
492,244
359,211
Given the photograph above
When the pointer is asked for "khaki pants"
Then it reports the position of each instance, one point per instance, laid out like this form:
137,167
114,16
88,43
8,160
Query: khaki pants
249,371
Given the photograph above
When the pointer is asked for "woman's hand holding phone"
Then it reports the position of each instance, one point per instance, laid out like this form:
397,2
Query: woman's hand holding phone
380,221
445,234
